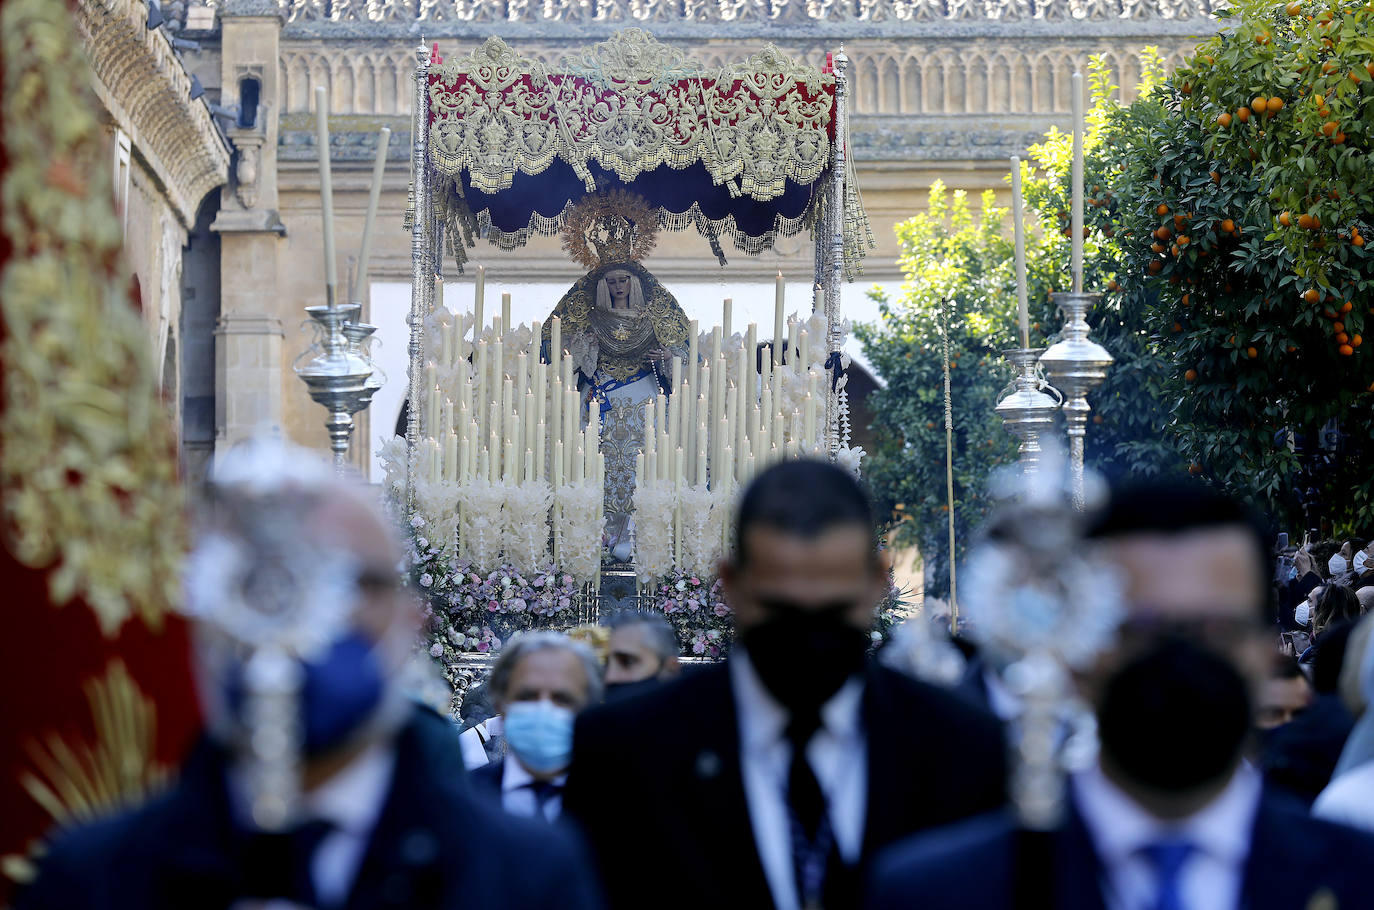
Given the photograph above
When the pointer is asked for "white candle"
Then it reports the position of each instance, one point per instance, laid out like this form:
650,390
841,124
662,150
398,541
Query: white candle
558,463
374,194
451,456
1019,229
778,303
435,459
541,391
555,340
505,310
326,189
1077,201
479,292
579,461
464,453
648,428
751,346
446,340
480,386
528,474
508,467
726,312
809,426
556,410
803,350
540,434
692,341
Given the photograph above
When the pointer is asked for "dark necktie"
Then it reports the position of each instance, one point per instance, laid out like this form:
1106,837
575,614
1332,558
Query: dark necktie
544,791
803,789
1167,859
812,838
278,865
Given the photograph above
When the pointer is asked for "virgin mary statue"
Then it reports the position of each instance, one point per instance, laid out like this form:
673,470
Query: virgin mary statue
622,329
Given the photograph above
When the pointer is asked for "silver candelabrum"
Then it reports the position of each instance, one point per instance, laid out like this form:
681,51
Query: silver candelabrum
1076,365
1029,407
339,372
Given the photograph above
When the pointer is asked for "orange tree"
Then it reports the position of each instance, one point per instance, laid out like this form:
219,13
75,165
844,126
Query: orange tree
1242,196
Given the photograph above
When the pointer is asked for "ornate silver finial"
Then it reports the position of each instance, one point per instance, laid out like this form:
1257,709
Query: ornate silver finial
1028,407
1076,365
1040,606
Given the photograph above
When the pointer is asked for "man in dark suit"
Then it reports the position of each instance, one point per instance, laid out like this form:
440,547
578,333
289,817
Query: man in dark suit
769,780
1172,818
319,783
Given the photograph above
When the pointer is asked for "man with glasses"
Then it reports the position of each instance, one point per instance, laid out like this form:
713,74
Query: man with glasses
769,780
1172,817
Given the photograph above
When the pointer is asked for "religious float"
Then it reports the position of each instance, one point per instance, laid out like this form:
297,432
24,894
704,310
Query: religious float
589,461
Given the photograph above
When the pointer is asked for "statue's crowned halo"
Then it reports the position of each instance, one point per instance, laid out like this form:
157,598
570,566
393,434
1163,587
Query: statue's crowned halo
620,325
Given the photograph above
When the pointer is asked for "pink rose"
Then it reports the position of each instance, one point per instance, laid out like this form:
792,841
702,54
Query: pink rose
483,646
698,647
721,609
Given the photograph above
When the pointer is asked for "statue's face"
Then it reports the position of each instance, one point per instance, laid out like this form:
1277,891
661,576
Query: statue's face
618,283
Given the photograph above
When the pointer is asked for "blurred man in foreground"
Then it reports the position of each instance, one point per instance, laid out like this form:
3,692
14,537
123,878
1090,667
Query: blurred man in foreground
771,779
642,651
540,683
1172,818
318,784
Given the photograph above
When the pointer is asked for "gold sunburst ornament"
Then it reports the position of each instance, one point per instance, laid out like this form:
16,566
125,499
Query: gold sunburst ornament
611,226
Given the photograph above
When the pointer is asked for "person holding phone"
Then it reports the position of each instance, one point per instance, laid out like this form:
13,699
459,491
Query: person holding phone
1303,579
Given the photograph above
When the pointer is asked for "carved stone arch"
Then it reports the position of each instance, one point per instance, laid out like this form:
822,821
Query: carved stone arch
890,99
1043,85
395,85
1130,77
340,85
866,85
296,88
319,76
913,102
955,85
1011,77
933,76
365,85
976,84
1063,83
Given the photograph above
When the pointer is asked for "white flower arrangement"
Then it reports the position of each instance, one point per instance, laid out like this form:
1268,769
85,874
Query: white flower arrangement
480,531
525,525
579,529
655,505
700,548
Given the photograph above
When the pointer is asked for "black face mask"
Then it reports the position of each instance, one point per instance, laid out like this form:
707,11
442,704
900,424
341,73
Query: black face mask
623,690
1175,717
804,656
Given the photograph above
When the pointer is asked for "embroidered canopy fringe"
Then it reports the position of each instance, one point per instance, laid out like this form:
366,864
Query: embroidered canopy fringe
525,525
763,129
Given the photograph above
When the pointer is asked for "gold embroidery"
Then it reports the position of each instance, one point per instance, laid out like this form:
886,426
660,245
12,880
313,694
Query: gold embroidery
87,468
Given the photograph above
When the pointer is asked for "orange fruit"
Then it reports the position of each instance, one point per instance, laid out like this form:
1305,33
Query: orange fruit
1342,338
1329,128
1328,67
1345,350
1161,209
1195,468
1358,240
1187,300
1157,247
1356,341
1294,9
1251,353
1155,267
1178,327
1216,178
1275,105
1228,226
1243,114
1338,139
1190,375
1173,250
1354,77
1286,220
1338,327
1369,68
1311,295
1163,233
1347,307
1260,104
1224,120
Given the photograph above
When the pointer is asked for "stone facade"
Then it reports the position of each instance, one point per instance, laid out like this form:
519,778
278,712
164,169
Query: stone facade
942,89
166,154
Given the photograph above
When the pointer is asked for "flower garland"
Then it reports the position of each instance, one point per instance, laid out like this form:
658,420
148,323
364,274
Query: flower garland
693,605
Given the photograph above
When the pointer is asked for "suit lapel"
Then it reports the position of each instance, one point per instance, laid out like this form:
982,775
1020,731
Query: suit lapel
897,765
1078,876
1275,856
716,806
400,866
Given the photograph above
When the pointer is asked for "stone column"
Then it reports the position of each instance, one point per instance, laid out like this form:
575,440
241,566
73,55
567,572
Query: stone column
248,338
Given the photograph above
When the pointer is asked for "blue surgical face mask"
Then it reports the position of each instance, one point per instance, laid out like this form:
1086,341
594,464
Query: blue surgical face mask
540,734
340,691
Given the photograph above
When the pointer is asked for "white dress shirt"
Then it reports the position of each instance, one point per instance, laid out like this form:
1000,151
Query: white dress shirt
1349,798
473,742
351,801
1213,874
838,754
518,799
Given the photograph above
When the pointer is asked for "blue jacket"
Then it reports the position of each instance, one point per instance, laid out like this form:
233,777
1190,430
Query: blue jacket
987,863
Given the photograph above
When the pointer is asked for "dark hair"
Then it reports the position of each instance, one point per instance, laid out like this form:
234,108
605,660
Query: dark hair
805,498
1180,507
1330,657
1335,604
1285,666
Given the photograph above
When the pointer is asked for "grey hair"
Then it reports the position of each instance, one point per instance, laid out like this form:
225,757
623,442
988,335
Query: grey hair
658,631
526,643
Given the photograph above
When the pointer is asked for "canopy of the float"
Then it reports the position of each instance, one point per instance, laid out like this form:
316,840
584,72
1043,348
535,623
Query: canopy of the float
745,152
